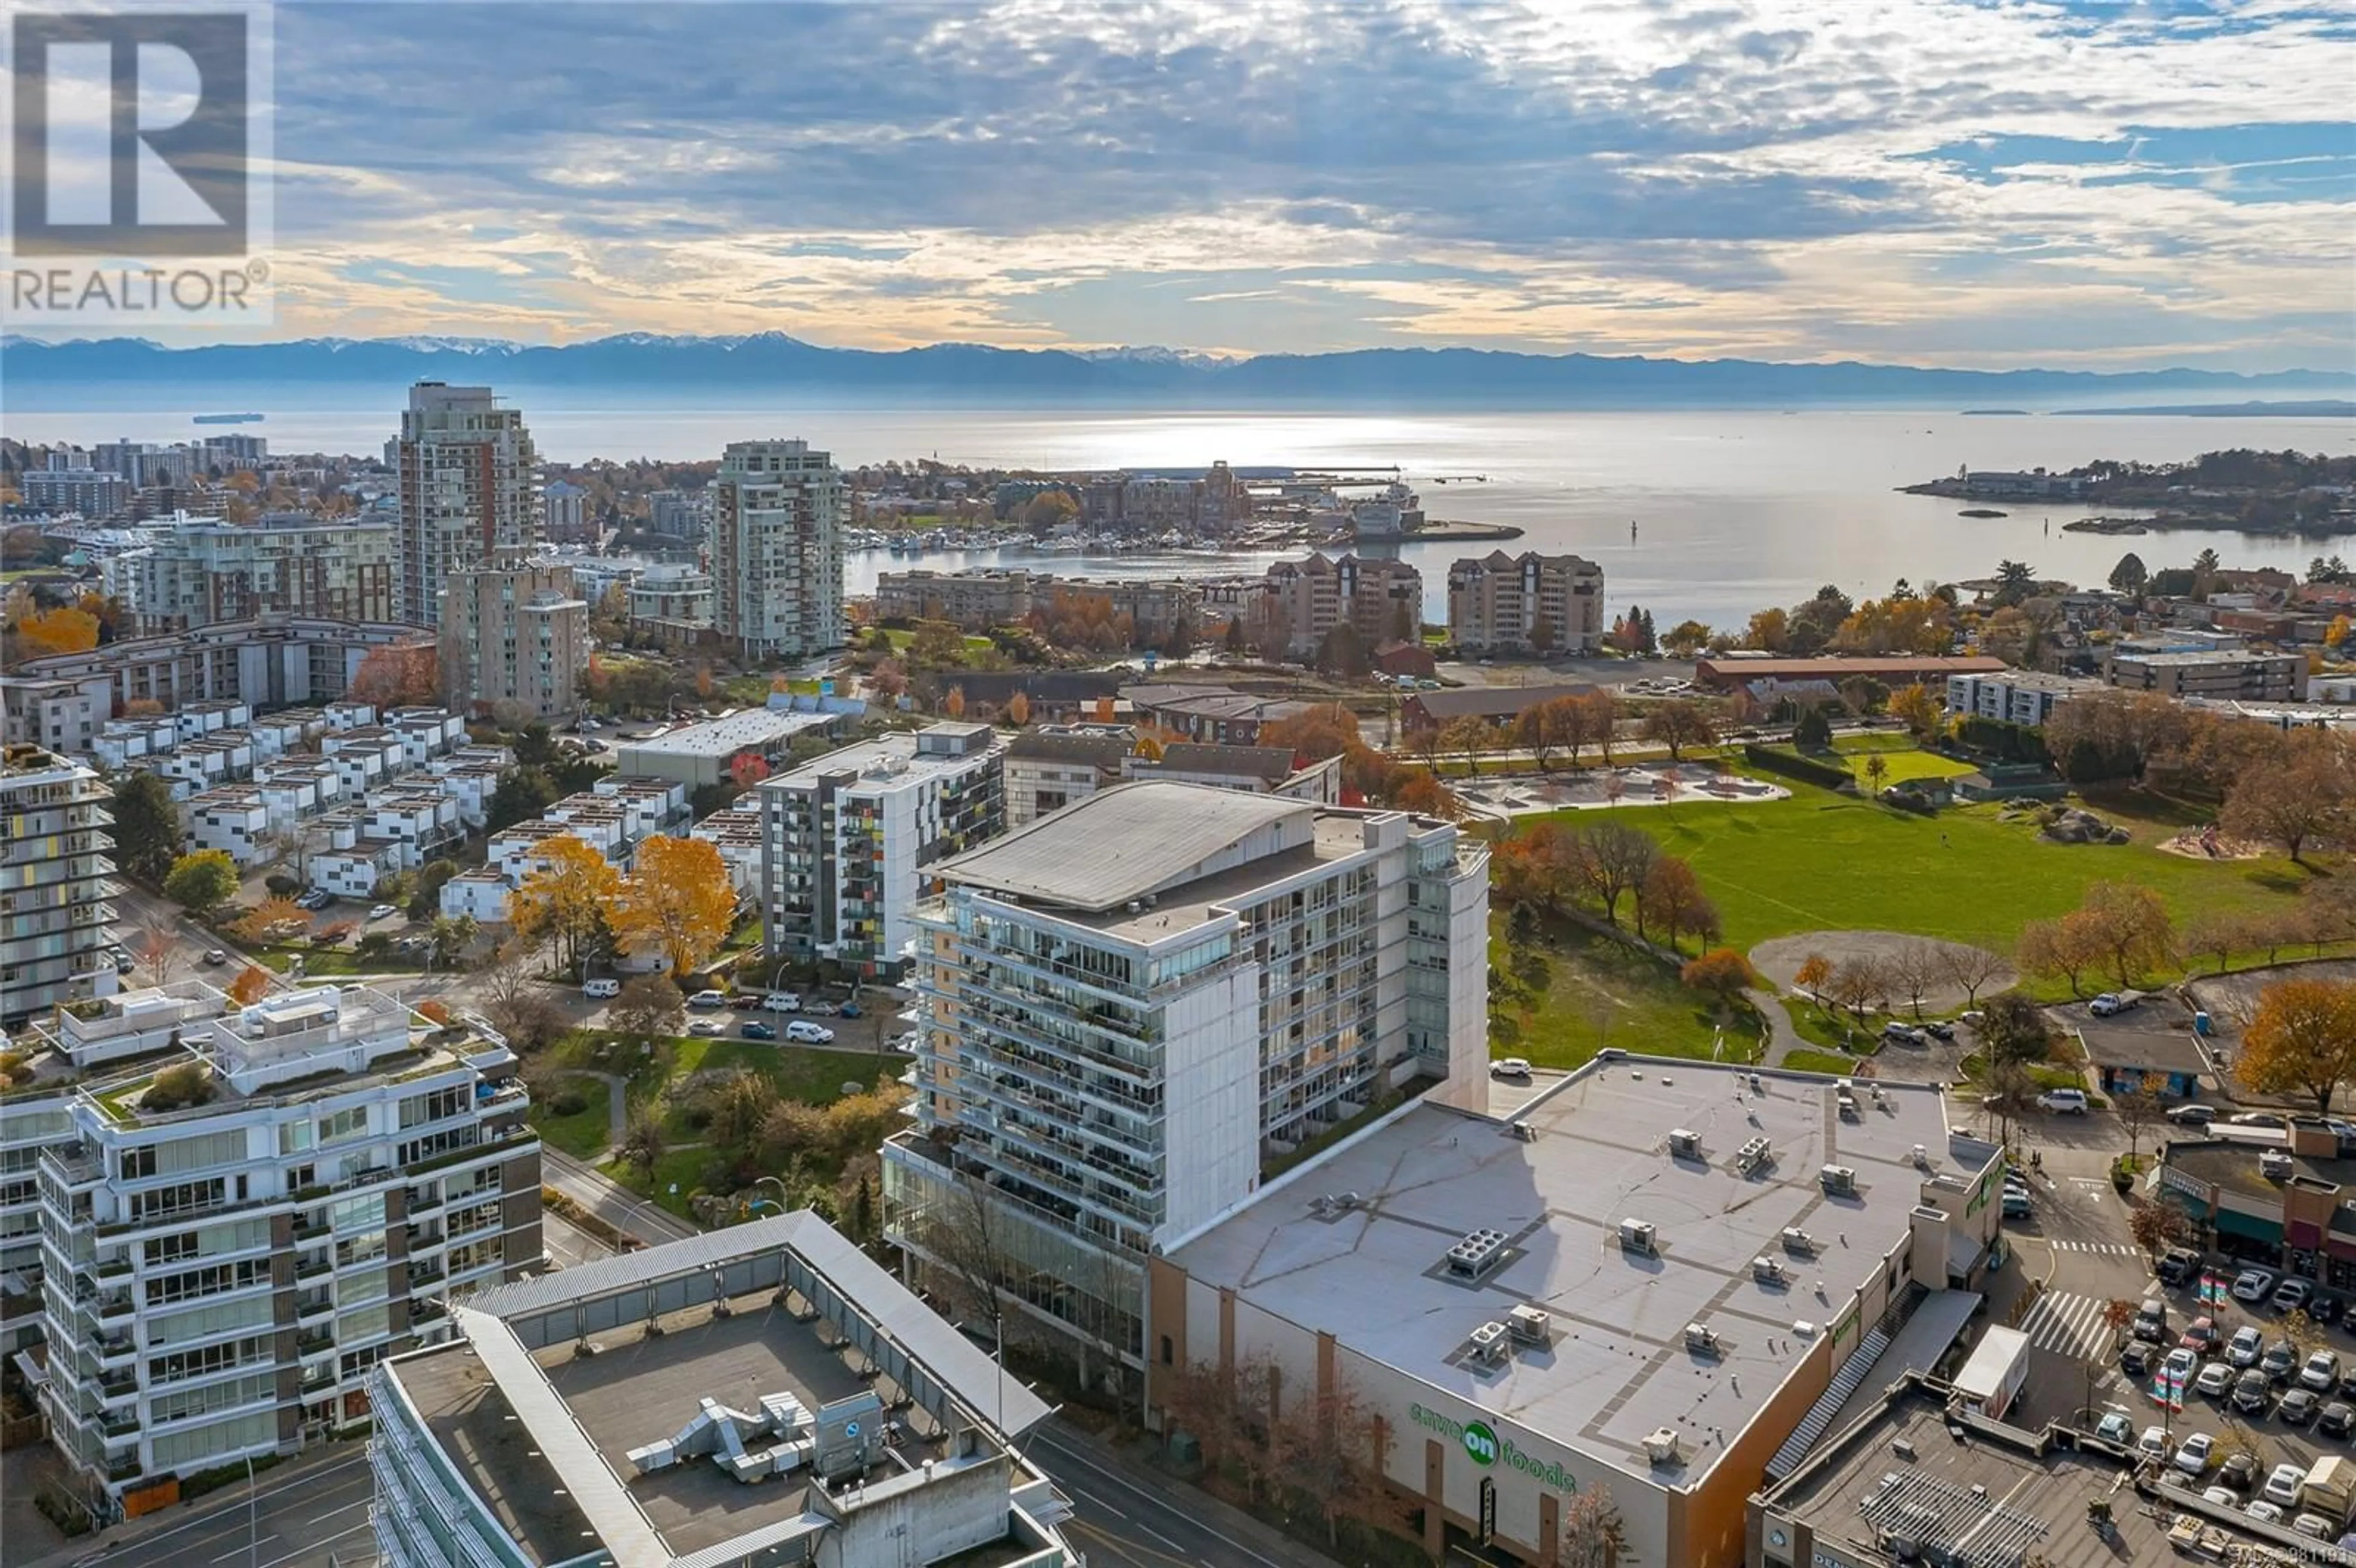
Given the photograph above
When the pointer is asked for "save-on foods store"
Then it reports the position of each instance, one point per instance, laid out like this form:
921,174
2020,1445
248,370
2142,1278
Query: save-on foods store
2285,1210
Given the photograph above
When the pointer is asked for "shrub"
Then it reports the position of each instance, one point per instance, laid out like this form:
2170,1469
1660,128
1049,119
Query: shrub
1793,766
177,1087
567,1099
435,1010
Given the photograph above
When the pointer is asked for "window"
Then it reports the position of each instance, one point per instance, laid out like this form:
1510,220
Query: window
137,1164
1169,1351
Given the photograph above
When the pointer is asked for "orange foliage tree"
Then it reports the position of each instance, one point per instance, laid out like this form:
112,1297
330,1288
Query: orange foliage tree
398,676
57,631
249,987
1721,971
678,903
566,899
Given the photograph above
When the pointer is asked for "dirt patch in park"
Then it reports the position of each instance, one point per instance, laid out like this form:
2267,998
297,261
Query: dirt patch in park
1779,958
2207,844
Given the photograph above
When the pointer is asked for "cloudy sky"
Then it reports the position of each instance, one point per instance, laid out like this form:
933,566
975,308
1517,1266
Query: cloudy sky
1934,181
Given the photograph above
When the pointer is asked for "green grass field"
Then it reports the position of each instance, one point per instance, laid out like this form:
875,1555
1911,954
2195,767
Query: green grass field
582,1132
1574,991
1822,861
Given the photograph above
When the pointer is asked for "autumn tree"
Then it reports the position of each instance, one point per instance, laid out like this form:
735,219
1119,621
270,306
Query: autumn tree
250,985
2302,1039
2136,1108
678,902
201,881
1918,709
1018,710
1601,719
1670,900
1678,725
157,947
2127,926
1614,860
1877,770
1857,982
1815,972
1914,970
566,897
1469,737
2305,796
1590,1531
1419,790
396,676
2157,1227
2057,949
647,1006
63,631
642,1144
1970,968
1723,971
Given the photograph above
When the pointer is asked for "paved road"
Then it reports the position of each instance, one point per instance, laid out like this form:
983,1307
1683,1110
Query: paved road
1126,1517
307,1519
623,1210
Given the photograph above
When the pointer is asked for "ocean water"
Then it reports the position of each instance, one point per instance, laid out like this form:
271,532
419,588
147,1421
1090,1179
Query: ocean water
1731,509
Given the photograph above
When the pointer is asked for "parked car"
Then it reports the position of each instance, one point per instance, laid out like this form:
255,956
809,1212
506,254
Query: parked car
2178,1369
782,1002
2117,1428
2337,1419
2245,1346
2109,1004
316,898
2178,1264
1940,1029
2321,1372
2280,1360
2135,1359
1509,1067
2263,1511
381,911
2220,1497
705,1026
2192,1115
2313,1526
2016,1204
2284,1482
2298,1407
122,963
2240,1471
2151,1320
2254,1285
2063,1102
602,989
708,999
2326,1309
850,1009
2258,1119
2192,1455
2215,1379
1904,1034
216,957
2200,1336
2291,1295
808,1033
2153,1444
820,1010
757,1030
2253,1393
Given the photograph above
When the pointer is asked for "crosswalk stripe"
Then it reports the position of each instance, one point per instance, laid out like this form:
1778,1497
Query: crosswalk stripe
2103,1249
2066,1323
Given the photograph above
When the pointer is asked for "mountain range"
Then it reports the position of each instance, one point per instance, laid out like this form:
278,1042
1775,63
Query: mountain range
126,371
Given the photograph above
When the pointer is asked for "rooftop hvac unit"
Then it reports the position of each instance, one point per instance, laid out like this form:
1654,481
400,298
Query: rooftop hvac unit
1661,1446
2275,1163
1767,1271
1848,1103
1838,1180
1638,1236
1921,1158
1488,1342
1751,1155
1529,1325
1476,1254
1799,1241
1702,1338
1522,1130
1685,1143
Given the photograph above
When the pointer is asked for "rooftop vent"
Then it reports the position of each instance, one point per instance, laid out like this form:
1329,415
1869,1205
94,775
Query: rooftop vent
2273,1163
1753,1155
1767,1271
1702,1338
1529,1325
1661,1446
1522,1130
1921,1158
1799,1242
1848,1102
1685,1143
1476,1254
1488,1342
1638,1236
1838,1180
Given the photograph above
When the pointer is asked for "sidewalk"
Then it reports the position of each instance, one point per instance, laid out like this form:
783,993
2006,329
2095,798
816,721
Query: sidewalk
89,1551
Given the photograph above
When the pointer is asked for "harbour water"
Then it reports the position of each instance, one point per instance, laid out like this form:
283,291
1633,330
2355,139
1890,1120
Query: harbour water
1732,509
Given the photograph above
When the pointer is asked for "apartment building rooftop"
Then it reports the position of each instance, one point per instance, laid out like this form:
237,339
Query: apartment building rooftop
1120,845
546,1407
726,737
900,754
1380,1218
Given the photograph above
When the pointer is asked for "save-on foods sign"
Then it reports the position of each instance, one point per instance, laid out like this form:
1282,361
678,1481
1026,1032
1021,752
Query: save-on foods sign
1483,1447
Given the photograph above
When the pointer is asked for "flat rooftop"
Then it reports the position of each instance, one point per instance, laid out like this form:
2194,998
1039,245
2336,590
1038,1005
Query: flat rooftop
2233,1166
2034,1502
1119,843
1618,1368
726,737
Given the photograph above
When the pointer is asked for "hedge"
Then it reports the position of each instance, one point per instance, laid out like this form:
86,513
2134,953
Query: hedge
1793,766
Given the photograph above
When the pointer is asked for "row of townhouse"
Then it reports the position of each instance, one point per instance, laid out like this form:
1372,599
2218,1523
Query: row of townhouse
614,816
243,793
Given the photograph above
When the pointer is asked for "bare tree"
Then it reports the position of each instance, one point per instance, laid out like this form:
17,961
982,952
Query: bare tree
1971,968
1855,983
1330,1449
2010,1090
1614,860
157,951
642,1142
517,1003
1912,968
1592,1535
2136,1108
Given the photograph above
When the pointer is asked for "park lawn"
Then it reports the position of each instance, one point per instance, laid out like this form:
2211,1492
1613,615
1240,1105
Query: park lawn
1547,1009
585,1131
673,1180
1823,861
1830,1062
1914,764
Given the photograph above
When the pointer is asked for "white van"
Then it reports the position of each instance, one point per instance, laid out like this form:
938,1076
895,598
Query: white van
602,989
2063,1102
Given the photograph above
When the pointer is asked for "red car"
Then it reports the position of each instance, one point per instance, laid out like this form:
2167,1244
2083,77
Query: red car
2200,1336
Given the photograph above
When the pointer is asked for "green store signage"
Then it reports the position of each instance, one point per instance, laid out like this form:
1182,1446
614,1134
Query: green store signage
1484,1448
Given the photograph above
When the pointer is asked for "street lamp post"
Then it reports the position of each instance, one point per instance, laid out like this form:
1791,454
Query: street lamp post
253,1517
